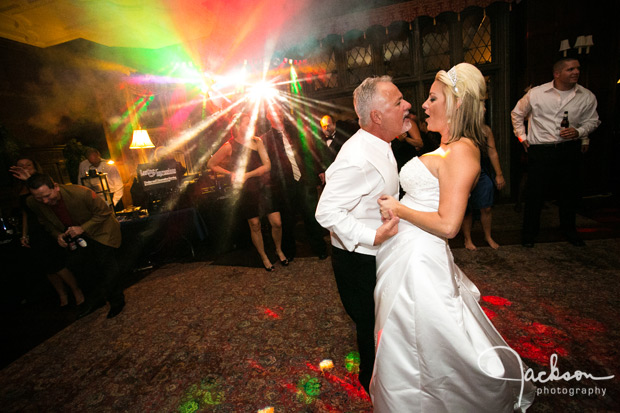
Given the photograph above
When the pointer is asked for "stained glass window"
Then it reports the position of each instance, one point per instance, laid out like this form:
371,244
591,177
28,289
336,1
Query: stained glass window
477,38
359,64
396,57
435,47
326,71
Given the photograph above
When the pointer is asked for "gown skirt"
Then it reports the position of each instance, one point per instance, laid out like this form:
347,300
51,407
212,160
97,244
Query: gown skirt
436,350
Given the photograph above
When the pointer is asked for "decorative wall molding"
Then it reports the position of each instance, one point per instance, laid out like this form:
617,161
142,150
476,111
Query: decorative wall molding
408,11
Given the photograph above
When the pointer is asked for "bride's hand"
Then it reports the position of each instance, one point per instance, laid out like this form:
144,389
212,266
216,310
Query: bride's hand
388,206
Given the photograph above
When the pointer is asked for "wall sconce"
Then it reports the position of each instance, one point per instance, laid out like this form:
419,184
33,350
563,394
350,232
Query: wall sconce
141,140
584,41
564,46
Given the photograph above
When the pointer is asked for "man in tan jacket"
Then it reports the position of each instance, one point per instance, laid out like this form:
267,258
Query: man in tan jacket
69,212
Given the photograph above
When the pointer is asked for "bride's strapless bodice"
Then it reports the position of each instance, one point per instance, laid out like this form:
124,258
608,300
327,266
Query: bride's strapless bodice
421,187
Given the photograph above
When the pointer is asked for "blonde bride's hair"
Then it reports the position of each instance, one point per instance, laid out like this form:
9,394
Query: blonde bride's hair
465,90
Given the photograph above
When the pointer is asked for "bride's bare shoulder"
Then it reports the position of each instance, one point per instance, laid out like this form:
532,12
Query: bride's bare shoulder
463,147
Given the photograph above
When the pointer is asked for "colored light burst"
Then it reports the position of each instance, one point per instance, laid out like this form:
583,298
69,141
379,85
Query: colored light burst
308,389
185,86
350,384
262,91
499,301
352,362
271,313
199,396
326,365
537,342
295,86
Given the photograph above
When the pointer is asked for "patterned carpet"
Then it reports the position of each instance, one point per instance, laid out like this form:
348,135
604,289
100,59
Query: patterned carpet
201,337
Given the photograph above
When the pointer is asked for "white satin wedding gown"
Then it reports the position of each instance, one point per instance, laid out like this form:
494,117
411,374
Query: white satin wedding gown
435,346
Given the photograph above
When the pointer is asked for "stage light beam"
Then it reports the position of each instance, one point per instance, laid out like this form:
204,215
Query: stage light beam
262,91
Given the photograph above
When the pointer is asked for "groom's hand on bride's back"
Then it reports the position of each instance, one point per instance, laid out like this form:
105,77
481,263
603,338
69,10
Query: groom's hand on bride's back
388,229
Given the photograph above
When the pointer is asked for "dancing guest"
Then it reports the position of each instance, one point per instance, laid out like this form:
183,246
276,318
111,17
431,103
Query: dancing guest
334,135
46,256
69,212
481,198
249,176
295,182
435,346
364,169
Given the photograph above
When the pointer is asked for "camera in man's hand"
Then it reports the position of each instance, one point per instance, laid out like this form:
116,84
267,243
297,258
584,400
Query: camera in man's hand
73,243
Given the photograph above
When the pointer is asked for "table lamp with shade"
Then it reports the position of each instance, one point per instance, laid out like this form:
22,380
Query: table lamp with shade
140,140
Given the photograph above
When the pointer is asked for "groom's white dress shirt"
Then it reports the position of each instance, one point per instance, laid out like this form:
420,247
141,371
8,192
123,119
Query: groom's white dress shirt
364,170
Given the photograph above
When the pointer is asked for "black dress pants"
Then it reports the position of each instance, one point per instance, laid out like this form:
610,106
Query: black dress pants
356,278
98,266
552,170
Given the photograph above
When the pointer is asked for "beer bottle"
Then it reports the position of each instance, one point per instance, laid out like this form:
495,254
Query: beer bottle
564,124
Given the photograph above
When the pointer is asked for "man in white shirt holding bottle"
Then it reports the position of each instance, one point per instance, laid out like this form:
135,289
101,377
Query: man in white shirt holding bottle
554,153
364,170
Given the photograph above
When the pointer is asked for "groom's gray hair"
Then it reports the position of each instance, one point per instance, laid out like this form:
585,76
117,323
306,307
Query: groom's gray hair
364,95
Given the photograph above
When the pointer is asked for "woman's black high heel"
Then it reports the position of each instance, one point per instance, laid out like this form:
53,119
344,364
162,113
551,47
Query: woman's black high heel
284,262
270,269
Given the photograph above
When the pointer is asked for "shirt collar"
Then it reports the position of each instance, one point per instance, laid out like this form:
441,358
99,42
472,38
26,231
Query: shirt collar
376,142
548,87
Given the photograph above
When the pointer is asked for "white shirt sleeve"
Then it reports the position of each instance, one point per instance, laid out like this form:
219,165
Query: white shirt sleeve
82,170
590,120
518,116
346,185
116,182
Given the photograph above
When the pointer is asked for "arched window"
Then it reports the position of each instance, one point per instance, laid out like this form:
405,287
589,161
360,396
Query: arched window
396,51
435,39
358,56
477,37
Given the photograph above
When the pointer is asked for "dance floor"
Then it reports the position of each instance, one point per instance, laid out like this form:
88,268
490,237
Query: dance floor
202,337
220,334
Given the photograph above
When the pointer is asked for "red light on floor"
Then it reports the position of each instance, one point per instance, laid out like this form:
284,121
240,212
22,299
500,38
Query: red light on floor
499,301
489,313
271,314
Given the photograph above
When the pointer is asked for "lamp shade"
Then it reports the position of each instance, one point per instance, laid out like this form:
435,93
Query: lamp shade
589,43
564,45
141,140
580,42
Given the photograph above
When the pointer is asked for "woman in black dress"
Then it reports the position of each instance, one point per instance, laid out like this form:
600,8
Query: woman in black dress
249,176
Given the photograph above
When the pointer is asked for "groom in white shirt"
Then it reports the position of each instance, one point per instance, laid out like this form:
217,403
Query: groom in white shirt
364,170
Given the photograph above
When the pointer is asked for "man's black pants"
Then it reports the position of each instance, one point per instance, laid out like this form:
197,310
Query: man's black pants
552,170
356,278
98,266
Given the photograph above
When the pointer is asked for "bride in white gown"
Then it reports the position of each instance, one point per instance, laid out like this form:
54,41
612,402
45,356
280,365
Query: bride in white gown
436,349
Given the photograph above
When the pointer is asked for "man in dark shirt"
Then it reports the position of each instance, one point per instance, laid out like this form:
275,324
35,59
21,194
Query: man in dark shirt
334,135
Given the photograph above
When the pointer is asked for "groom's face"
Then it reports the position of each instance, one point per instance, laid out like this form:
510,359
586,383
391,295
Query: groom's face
393,110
